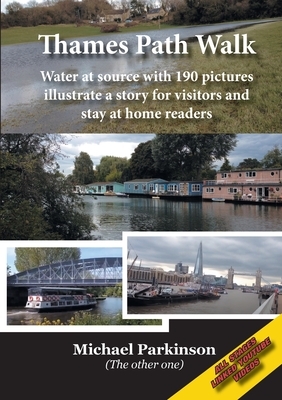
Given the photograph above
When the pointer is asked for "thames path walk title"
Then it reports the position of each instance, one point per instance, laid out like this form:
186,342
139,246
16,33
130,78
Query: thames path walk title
239,45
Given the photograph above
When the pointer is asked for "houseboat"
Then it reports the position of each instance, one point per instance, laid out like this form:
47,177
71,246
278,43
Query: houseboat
245,186
160,188
45,299
100,188
260,186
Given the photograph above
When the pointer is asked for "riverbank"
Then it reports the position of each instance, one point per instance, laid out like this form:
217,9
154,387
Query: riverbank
18,35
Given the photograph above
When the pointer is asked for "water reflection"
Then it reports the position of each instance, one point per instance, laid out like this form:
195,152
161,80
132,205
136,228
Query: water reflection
116,215
234,302
109,306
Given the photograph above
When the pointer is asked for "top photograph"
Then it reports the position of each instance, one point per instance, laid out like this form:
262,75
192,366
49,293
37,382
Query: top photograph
185,66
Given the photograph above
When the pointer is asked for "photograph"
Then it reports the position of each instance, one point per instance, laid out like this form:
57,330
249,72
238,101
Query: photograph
177,274
97,66
95,187
64,286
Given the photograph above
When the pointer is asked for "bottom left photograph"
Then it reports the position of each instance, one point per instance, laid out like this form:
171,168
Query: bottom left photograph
64,286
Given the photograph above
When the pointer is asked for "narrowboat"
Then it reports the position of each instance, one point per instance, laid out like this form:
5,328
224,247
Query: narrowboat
45,299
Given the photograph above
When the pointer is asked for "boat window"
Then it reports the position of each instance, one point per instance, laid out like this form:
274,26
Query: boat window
250,174
50,292
35,291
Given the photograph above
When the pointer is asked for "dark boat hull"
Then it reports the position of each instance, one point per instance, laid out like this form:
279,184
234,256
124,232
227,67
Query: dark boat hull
62,308
144,300
208,296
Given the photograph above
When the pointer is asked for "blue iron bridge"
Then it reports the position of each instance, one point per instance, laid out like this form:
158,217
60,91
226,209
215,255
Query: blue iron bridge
85,272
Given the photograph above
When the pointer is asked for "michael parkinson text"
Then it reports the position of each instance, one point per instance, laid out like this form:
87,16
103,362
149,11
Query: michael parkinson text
141,349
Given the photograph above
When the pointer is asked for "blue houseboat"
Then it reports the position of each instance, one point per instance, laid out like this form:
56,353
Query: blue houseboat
164,189
146,187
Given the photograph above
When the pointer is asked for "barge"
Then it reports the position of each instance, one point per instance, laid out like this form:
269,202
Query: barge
142,294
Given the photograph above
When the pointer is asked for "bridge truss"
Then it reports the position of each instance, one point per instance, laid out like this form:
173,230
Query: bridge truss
84,272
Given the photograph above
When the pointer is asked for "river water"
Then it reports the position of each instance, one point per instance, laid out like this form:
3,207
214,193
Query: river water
22,88
19,316
234,302
113,215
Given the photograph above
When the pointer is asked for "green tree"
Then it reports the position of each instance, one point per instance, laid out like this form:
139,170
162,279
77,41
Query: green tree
226,166
36,201
111,167
273,158
83,172
31,257
142,162
185,156
14,7
137,7
114,291
249,163
114,176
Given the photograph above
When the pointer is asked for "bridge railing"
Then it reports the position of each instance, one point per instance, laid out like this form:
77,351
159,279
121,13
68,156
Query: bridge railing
269,306
92,270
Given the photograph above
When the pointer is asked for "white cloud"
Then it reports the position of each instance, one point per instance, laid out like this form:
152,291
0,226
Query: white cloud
123,145
99,145
245,254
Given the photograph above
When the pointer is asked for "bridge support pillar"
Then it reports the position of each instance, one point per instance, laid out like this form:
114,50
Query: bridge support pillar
258,279
230,284
16,296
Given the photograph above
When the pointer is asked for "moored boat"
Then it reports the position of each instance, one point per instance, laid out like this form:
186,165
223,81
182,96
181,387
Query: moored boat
120,194
208,292
109,193
45,299
208,295
151,294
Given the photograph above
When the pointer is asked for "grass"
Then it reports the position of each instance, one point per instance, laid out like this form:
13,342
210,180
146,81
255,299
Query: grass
18,35
260,114
86,318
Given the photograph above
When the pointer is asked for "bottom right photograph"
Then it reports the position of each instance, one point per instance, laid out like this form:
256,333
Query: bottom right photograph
180,274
